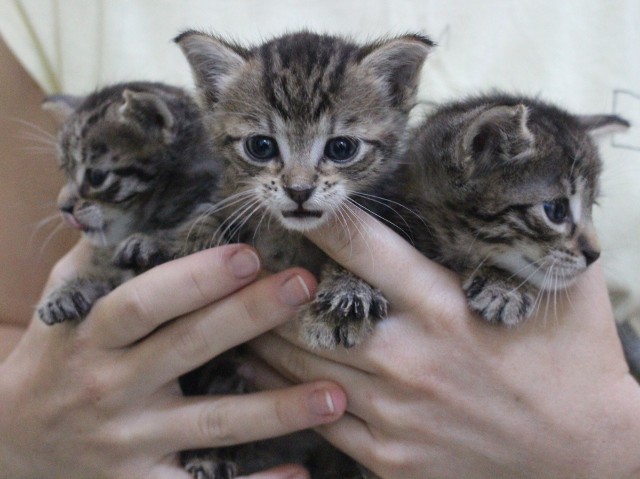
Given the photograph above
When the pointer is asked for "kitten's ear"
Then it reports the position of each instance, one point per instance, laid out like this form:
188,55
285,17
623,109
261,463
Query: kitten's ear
398,63
213,62
61,106
598,125
497,136
148,112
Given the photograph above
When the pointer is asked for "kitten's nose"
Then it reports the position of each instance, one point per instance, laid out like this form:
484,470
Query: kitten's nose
67,208
590,255
299,195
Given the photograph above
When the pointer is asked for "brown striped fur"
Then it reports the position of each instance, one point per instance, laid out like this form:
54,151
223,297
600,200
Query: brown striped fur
139,166
483,173
304,123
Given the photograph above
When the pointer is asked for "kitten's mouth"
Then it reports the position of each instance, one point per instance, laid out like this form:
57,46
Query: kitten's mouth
302,213
73,222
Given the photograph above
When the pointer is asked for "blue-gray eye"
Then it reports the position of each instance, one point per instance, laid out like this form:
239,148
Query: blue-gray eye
96,177
341,149
557,210
261,148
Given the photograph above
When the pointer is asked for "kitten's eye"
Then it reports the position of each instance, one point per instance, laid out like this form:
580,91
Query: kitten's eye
95,178
262,148
557,210
341,149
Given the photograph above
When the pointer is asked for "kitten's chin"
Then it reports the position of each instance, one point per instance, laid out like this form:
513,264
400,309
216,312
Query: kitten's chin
552,281
302,222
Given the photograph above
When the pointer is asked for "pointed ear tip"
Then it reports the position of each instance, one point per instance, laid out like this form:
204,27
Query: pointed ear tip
189,35
423,40
622,121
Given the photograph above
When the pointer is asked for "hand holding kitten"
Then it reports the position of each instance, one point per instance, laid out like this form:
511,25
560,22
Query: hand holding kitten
435,391
112,406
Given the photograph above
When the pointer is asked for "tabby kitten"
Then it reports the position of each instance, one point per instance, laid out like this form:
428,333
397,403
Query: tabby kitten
137,160
505,185
303,123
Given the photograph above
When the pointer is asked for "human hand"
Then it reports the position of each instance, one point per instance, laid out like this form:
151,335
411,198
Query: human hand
100,399
435,392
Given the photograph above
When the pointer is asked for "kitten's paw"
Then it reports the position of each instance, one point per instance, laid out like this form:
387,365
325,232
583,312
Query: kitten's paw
206,468
140,252
496,302
64,305
343,318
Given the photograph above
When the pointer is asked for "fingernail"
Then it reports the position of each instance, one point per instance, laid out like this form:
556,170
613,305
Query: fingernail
294,291
321,403
244,263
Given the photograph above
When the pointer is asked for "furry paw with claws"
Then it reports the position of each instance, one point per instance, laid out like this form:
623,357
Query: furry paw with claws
206,468
498,302
343,316
72,302
140,252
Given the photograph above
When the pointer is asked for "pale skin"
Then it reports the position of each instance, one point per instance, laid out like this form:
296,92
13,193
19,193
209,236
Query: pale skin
101,400
434,393
437,393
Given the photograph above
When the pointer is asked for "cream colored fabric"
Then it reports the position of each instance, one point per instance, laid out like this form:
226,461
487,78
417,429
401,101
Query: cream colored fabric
582,54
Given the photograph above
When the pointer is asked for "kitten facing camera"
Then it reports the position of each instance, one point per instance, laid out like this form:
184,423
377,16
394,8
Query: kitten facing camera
138,166
506,185
307,127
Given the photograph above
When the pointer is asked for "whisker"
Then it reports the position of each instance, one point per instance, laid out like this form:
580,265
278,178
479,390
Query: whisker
357,220
385,220
48,239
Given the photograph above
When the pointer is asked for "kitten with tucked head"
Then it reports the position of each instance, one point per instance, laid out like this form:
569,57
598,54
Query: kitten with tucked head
506,185
137,160
303,123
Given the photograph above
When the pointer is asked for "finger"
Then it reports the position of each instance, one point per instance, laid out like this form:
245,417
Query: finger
352,436
297,365
201,422
262,377
194,339
375,253
288,471
141,305
68,266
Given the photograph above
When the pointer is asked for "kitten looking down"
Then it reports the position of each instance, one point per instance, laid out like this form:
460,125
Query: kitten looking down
137,160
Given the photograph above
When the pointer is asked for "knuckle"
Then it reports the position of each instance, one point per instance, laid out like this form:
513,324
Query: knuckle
94,387
197,284
295,365
253,310
214,425
135,309
189,340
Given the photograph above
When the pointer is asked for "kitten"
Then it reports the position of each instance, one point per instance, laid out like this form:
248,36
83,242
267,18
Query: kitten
505,185
137,159
304,125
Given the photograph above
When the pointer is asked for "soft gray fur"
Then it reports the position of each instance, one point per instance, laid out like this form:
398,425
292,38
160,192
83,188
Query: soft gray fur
504,186
139,167
304,124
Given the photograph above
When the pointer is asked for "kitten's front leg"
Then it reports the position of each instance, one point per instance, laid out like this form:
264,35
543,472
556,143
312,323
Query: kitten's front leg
344,311
74,299
141,251
498,297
